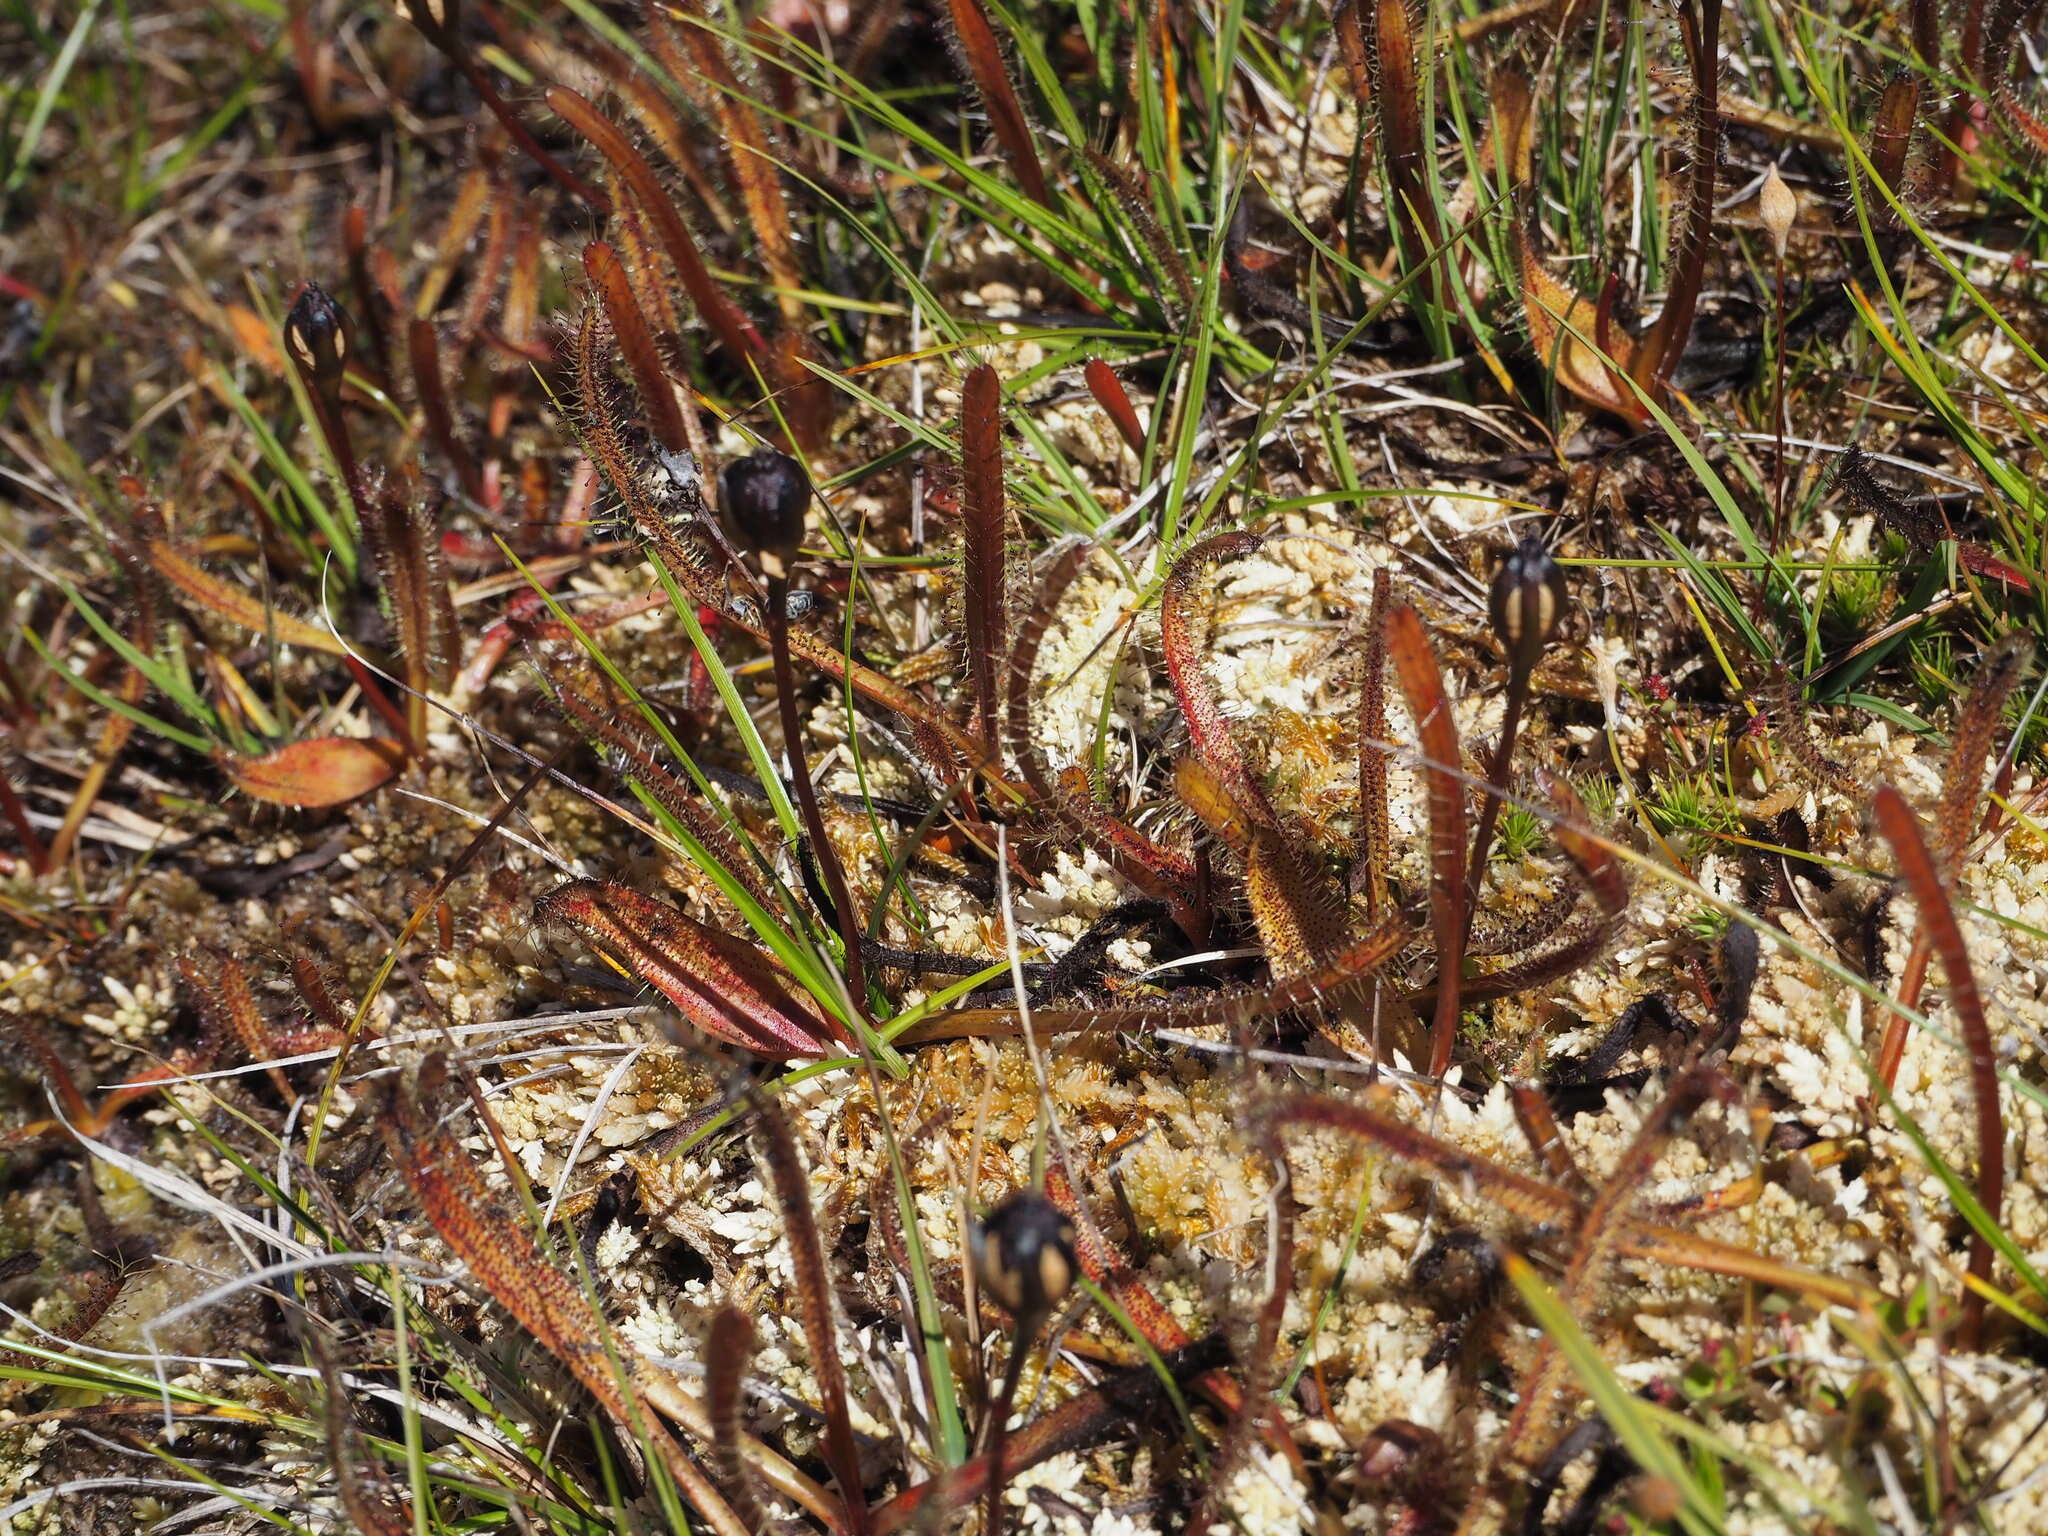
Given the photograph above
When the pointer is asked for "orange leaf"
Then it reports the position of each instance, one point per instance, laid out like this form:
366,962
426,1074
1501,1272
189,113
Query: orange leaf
1554,313
233,603
254,337
328,770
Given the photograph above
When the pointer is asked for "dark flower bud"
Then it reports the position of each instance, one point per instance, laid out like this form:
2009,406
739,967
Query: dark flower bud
1527,601
766,499
1024,1255
316,332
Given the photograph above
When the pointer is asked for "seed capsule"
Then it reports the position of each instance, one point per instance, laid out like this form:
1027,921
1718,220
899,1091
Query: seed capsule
1777,205
766,499
1024,1254
315,332
1527,601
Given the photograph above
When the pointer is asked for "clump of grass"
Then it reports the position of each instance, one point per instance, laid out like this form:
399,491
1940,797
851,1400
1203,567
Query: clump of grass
1693,807
1521,833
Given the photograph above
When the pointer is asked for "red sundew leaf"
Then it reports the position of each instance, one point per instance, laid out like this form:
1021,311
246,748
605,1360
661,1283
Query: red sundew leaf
1182,638
724,986
1422,684
1572,831
983,57
327,770
1108,391
1660,349
1924,879
750,153
1891,132
733,329
985,534
1979,561
1397,93
636,341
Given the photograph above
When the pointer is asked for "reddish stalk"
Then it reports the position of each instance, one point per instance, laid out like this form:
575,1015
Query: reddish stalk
846,916
1527,602
405,545
1700,26
1962,788
424,349
727,1349
1397,95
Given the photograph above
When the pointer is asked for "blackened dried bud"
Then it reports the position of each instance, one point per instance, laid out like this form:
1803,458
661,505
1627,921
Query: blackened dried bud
316,332
1024,1255
766,499
1527,601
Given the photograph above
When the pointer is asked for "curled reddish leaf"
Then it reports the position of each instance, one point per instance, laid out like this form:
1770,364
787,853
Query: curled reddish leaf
327,770
978,50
